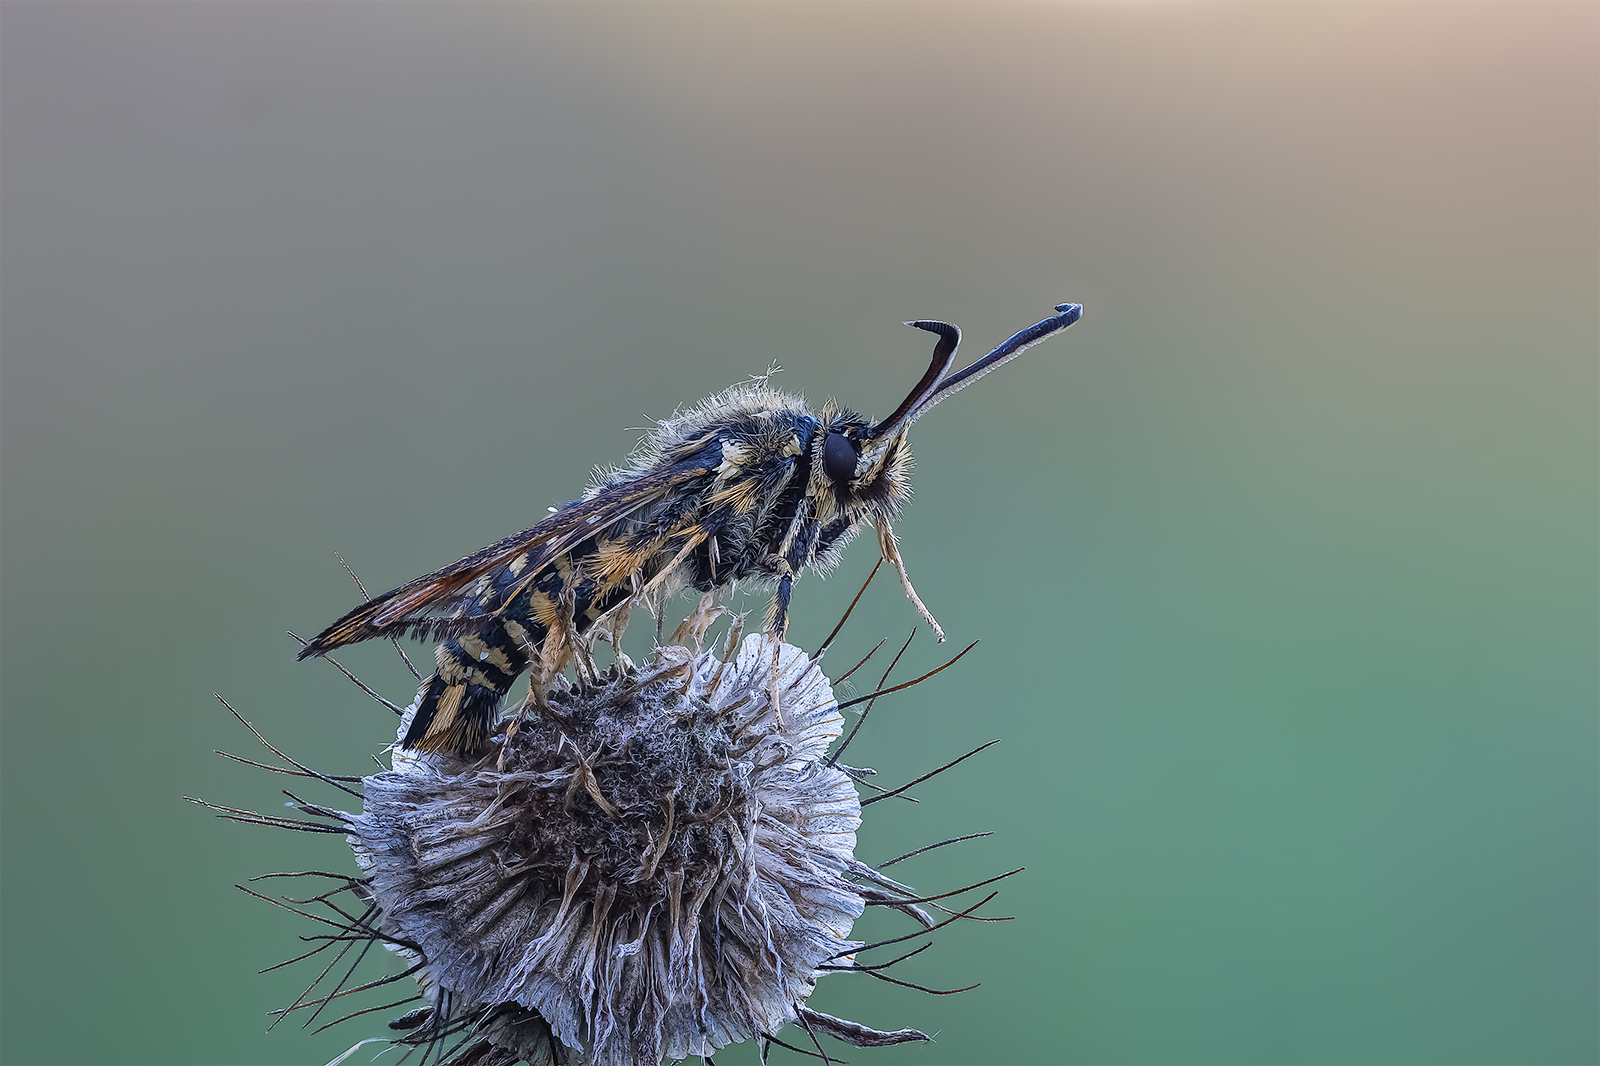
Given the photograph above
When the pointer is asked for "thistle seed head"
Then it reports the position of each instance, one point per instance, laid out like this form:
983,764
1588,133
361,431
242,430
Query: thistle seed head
657,863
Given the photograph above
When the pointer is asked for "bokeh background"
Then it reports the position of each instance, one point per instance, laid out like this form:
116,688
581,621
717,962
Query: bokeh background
1283,559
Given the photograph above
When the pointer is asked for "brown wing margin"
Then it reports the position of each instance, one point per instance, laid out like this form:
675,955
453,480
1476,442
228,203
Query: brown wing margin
402,608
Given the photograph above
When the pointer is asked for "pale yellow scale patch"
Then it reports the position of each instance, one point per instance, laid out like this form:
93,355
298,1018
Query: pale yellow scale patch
741,495
455,672
564,570
482,652
449,707
520,634
544,610
732,460
615,561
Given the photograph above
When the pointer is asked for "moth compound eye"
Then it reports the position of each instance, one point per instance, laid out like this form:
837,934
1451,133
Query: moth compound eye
839,457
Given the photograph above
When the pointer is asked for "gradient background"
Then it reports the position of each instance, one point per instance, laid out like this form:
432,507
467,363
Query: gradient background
1284,559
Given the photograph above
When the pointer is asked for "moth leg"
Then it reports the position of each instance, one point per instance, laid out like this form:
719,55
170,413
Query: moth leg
694,541
695,626
891,551
778,626
641,593
780,604
546,661
582,645
618,624
536,697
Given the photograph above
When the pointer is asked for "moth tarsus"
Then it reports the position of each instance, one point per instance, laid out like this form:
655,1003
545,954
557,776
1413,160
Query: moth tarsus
749,484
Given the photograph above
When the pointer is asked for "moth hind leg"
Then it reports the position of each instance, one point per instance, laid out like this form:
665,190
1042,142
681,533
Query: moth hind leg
777,625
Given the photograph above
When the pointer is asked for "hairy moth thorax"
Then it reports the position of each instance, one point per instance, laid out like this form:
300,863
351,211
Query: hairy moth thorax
749,484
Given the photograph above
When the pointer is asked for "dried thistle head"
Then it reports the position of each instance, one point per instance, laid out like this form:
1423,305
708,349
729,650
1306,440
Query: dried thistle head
657,862
658,866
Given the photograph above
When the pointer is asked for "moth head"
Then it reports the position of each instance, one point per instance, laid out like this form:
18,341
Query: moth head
869,462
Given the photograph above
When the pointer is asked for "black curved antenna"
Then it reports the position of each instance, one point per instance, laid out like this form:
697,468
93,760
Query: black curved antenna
944,354
1015,346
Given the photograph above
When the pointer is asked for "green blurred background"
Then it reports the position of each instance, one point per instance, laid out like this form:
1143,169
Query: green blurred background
1284,559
